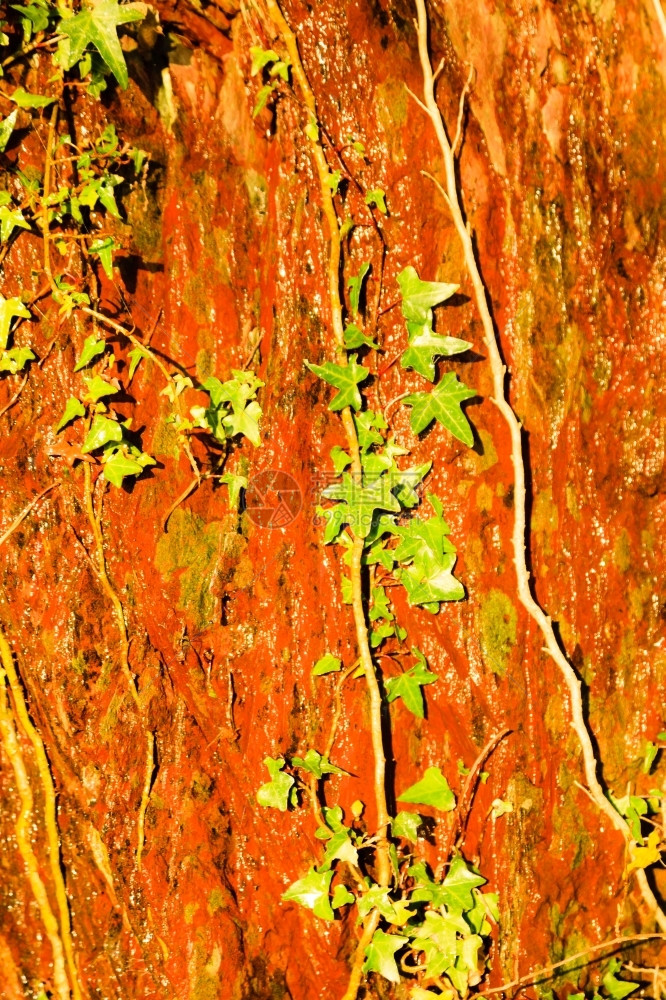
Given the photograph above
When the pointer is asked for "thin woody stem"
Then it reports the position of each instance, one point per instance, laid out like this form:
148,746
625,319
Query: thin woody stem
94,519
365,656
498,371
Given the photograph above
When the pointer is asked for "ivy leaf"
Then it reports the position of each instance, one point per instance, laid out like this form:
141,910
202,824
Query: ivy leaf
617,988
6,129
437,935
380,633
261,58
644,856
406,825
275,794
345,378
455,892
432,790
442,404
354,337
11,219
102,431
125,462
340,459
368,424
429,578
235,484
328,664
103,249
361,501
377,197
315,764
92,348
16,359
341,896
135,355
245,421
9,309
355,286
396,911
97,25
424,344
98,388
380,605
418,297
73,409
408,687
313,893
26,100
380,955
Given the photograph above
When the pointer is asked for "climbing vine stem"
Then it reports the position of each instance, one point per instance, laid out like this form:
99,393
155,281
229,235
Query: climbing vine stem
452,196
356,572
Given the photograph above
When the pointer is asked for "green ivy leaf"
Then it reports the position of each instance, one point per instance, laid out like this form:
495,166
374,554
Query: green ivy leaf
103,249
97,25
6,129
355,286
429,579
380,955
345,378
275,794
395,911
26,100
98,388
135,355
261,58
454,893
361,501
368,425
432,790
328,664
315,764
442,404
235,484
408,687
73,409
379,607
425,344
245,421
102,432
340,459
616,988
418,297
437,935
342,897
15,360
406,825
377,197
123,462
10,219
354,337
10,309
313,893
92,348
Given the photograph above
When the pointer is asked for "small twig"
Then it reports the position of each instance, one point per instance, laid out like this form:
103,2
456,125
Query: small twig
26,510
465,804
338,706
48,163
190,488
417,99
17,395
50,812
392,402
252,353
518,463
461,106
548,970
